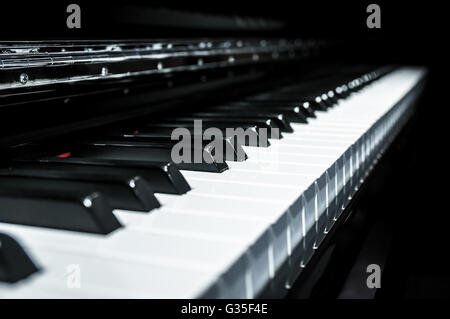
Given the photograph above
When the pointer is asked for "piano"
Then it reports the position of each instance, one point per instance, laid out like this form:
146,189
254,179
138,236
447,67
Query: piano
93,204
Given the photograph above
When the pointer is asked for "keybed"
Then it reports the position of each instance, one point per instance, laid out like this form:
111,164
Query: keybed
142,226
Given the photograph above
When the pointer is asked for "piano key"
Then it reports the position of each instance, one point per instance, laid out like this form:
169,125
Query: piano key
126,192
266,127
167,221
128,152
231,143
15,264
312,86
248,137
201,204
163,177
277,118
292,114
231,150
304,109
310,101
61,207
252,176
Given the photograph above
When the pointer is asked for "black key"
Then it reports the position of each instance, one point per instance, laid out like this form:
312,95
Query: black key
303,108
124,192
163,177
314,86
342,92
312,102
157,152
249,137
15,264
266,128
232,151
311,89
322,102
277,118
131,152
332,96
292,114
314,92
45,205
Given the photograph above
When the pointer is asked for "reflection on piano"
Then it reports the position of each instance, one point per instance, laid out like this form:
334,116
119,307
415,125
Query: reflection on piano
87,181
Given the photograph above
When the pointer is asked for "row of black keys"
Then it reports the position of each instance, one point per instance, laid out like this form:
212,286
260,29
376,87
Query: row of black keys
123,168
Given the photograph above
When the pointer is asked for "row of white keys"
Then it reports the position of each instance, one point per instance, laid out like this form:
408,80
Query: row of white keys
283,164
355,112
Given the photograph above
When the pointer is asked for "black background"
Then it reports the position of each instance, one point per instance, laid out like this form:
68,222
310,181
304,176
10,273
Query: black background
412,32
416,195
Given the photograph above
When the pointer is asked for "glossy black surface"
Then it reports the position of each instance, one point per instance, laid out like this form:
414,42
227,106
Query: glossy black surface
121,191
162,176
15,264
60,205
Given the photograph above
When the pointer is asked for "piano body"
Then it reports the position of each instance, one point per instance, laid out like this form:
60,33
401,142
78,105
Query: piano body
92,204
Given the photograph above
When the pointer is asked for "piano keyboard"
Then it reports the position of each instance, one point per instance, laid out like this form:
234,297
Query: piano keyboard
236,230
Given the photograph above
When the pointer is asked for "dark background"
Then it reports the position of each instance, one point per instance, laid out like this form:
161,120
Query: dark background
414,195
412,32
